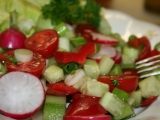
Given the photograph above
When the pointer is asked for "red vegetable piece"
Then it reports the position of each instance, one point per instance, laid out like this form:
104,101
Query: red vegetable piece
44,42
123,82
12,38
98,117
60,89
78,55
148,101
85,107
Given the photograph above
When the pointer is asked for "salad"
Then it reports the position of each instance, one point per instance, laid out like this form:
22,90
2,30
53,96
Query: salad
71,69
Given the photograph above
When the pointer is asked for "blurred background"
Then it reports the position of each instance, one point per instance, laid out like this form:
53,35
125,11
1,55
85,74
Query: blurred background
147,10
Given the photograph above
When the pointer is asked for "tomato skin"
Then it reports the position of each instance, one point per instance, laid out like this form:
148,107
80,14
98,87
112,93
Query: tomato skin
154,52
78,55
126,83
79,95
99,117
85,107
35,67
148,101
60,89
44,42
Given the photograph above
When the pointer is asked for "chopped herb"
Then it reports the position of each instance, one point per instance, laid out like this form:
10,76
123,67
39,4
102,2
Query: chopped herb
11,58
72,11
115,82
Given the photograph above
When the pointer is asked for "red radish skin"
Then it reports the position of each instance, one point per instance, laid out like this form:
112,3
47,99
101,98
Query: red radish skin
21,95
103,39
104,50
12,38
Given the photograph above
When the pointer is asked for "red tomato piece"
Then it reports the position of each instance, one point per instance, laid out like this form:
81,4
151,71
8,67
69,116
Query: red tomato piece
148,101
78,55
154,52
126,83
85,107
99,117
60,89
79,95
36,66
44,42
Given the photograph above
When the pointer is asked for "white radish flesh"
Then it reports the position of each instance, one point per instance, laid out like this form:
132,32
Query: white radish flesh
72,79
23,55
21,95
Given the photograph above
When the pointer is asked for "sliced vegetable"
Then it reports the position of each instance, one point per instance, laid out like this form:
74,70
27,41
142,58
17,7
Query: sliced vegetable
85,107
22,95
148,101
94,117
60,89
54,107
44,42
79,55
53,74
36,66
126,83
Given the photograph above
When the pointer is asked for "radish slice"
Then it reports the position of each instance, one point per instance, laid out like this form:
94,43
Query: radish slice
103,39
72,79
21,95
104,50
23,55
118,58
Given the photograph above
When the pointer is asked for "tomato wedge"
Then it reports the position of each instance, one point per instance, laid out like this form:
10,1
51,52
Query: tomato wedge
36,66
60,88
85,107
123,82
148,101
44,42
98,117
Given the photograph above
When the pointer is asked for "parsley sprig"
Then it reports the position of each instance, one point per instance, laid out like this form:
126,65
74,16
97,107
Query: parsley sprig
72,11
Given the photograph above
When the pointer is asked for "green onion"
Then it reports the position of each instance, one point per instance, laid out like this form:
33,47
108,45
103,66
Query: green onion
76,41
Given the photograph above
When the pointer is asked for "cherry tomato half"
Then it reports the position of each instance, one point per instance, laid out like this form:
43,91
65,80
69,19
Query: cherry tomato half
123,82
148,101
44,42
36,66
85,107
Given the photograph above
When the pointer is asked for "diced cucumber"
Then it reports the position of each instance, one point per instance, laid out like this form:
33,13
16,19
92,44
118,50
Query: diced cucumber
116,70
54,107
94,88
51,61
135,98
149,87
81,82
128,66
120,94
3,69
91,68
105,65
127,112
69,34
127,59
53,74
64,44
112,104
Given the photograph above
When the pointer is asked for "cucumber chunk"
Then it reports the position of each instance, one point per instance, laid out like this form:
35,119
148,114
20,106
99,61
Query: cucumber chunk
112,104
53,74
91,68
149,87
120,94
54,107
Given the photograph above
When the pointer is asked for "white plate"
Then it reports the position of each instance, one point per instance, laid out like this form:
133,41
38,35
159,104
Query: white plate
126,25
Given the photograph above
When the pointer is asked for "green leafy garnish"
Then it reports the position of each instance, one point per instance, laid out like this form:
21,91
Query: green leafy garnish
11,58
73,11
115,82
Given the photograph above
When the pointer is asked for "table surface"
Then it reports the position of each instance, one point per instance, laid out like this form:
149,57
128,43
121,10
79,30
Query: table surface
136,9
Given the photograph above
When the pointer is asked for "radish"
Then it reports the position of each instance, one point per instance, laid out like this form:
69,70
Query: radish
104,50
103,39
21,95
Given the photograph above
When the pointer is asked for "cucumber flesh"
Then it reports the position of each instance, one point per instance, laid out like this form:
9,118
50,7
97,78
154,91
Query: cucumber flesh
54,107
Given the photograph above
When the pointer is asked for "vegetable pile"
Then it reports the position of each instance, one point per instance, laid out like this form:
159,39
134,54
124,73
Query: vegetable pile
69,65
